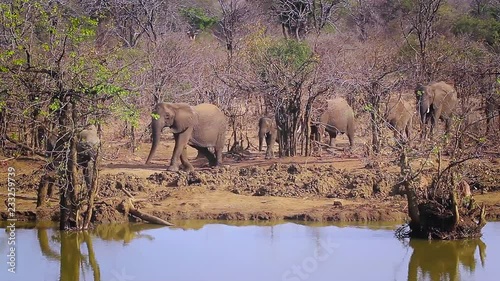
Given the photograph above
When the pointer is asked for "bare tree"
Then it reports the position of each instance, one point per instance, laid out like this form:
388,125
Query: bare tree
133,19
363,14
422,17
298,17
376,76
232,13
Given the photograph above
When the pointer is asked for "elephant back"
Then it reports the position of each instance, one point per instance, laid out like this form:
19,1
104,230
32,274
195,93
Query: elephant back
211,124
267,122
444,95
338,114
209,111
399,112
438,89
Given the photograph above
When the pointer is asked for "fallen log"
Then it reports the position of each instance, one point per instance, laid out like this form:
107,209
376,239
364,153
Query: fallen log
149,218
127,206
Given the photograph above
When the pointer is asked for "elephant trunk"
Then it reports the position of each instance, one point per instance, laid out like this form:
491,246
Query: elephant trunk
424,109
156,128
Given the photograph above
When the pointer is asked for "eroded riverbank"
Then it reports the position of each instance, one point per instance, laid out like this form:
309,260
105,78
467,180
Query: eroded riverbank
280,191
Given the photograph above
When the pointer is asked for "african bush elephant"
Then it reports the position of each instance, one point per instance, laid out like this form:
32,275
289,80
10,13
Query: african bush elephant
338,119
88,142
435,101
269,132
399,115
202,127
86,148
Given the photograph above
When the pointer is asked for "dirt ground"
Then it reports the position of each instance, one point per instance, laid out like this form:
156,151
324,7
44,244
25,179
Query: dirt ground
337,186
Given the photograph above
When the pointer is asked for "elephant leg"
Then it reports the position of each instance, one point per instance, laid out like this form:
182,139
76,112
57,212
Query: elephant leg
50,189
218,151
42,191
431,131
447,125
351,140
212,161
333,135
181,141
350,135
185,162
88,174
407,132
261,140
270,139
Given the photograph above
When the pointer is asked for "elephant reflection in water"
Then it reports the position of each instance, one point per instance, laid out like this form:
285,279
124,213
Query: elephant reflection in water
441,260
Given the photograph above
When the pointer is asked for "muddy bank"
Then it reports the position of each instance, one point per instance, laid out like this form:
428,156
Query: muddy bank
317,192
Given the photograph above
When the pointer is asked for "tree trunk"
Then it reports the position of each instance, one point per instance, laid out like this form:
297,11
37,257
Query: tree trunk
411,196
287,120
375,121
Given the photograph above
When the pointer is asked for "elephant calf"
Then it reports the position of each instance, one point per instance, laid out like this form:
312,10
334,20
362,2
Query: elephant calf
202,126
269,132
338,119
399,115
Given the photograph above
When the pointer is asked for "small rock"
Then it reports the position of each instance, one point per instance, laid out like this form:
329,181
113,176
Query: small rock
337,203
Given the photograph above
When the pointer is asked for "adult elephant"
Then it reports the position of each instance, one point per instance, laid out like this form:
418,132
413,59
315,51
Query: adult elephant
399,115
202,126
435,101
88,142
338,119
269,132
86,148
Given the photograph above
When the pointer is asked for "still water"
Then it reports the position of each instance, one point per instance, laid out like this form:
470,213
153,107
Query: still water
217,251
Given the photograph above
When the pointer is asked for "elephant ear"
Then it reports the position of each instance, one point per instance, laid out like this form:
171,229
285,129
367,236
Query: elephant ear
184,117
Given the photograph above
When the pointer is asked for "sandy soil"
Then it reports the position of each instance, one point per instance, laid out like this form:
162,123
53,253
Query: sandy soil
334,187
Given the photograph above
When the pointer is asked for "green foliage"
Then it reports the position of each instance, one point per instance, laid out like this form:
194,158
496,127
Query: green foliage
108,90
14,136
368,107
128,113
290,53
197,18
487,30
55,105
155,115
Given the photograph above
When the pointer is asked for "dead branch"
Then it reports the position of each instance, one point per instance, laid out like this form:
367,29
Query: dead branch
24,146
127,207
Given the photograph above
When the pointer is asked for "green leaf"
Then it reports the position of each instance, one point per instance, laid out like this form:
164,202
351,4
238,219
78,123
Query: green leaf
55,105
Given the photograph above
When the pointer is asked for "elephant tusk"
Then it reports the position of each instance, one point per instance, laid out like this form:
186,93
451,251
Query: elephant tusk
428,110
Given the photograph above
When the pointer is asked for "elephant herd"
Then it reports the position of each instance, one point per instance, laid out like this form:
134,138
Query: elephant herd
204,126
